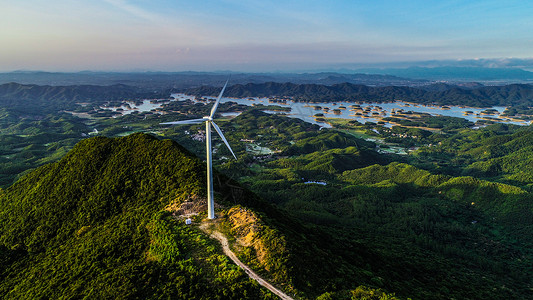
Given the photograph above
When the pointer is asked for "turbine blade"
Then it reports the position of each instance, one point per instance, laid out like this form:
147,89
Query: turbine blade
223,138
193,121
214,109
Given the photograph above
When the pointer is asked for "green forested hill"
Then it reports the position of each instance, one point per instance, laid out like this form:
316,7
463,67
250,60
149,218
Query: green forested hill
498,152
90,226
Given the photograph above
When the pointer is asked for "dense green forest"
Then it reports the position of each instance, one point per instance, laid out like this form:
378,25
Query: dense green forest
498,152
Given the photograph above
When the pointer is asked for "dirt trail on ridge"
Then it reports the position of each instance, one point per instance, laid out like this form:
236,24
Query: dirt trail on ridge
225,246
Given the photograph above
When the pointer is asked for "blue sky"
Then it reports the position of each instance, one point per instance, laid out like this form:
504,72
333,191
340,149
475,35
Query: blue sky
267,35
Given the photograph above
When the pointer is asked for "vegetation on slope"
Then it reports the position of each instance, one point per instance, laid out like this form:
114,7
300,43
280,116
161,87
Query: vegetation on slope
90,226
498,152
29,142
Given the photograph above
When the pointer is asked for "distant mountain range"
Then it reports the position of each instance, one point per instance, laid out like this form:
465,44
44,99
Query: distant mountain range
473,95
180,80
69,93
404,76
456,73
39,98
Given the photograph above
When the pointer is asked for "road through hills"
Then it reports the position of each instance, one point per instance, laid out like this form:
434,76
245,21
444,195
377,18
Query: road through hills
225,246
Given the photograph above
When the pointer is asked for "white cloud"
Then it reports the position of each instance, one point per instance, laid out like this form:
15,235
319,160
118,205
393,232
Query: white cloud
135,10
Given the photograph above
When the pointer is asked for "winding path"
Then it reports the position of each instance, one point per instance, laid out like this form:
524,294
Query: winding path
225,246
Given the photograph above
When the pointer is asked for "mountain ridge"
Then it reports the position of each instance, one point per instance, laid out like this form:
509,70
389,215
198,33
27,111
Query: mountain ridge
182,80
456,73
484,96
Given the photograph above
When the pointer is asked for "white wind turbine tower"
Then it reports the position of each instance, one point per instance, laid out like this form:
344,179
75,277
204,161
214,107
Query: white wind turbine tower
208,122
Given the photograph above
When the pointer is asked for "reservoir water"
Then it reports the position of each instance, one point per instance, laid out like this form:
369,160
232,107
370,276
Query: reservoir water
130,107
365,112
362,112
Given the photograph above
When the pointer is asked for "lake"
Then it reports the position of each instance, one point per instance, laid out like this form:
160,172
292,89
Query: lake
130,107
370,112
364,112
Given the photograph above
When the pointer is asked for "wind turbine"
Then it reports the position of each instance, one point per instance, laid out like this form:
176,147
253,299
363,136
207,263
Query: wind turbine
208,123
